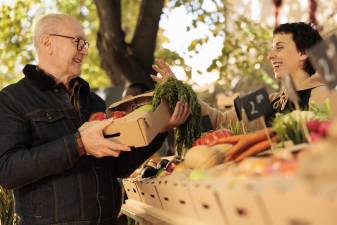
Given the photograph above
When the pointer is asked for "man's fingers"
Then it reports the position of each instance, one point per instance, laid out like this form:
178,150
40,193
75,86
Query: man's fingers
108,152
115,146
104,123
156,78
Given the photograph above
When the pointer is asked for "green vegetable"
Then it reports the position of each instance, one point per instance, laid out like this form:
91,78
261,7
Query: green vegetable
321,111
234,126
171,90
289,126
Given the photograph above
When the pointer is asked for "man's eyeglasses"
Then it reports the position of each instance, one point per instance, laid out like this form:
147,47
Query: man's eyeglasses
81,44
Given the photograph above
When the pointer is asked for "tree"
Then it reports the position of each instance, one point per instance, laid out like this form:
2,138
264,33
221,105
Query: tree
133,60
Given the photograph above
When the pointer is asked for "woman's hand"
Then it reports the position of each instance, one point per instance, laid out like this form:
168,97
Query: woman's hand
161,67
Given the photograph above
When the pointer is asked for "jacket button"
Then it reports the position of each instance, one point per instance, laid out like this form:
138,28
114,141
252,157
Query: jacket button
49,116
56,90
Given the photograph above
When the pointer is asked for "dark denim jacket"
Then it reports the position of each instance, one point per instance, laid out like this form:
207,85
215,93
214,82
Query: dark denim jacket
39,158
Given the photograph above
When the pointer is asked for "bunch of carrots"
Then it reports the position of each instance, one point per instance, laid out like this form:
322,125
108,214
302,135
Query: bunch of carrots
246,145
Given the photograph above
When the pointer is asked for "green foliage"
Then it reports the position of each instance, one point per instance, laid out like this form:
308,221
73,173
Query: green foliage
172,90
6,208
235,127
173,58
16,21
245,43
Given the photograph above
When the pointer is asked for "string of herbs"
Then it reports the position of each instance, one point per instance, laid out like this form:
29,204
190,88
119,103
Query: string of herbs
172,90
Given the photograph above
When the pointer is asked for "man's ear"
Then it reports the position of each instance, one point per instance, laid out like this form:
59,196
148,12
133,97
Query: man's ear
46,43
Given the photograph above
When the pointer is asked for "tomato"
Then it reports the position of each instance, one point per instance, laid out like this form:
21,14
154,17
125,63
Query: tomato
211,136
118,114
97,116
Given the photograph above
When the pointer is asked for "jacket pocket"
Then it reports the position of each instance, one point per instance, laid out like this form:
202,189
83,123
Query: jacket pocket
47,116
49,124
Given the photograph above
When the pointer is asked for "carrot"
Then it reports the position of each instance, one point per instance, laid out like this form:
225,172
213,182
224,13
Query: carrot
226,140
246,141
255,149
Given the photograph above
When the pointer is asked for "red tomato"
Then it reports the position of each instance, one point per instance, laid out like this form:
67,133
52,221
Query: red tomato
118,114
211,136
97,116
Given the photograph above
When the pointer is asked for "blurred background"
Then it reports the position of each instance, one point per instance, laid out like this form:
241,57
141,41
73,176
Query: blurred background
218,46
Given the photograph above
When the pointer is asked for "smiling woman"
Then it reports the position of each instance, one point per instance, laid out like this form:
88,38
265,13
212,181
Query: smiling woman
289,55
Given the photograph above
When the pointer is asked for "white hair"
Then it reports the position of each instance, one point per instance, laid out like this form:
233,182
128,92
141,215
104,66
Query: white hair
49,24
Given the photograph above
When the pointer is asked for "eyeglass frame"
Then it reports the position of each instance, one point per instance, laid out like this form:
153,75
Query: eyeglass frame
77,40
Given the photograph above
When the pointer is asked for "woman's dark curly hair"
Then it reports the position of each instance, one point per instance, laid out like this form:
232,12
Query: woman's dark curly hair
304,35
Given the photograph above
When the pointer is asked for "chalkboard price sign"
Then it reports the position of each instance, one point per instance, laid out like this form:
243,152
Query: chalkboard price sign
323,56
256,104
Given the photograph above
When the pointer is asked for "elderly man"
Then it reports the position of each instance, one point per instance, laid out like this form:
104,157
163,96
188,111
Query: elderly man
60,172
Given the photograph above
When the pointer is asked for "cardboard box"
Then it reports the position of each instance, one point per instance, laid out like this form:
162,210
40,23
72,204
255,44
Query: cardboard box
207,202
131,189
141,128
298,205
175,197
241,204
148,192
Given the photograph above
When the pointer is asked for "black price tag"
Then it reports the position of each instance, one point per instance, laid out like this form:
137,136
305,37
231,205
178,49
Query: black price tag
238,107
206,124
257,104
323,56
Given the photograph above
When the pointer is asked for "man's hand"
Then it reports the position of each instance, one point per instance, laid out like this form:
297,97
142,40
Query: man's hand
179,116
94,142
163,69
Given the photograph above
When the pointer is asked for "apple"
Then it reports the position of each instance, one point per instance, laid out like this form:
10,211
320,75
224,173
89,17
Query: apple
144,108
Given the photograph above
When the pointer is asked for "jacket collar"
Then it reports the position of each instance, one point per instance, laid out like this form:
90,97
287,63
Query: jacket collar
45,81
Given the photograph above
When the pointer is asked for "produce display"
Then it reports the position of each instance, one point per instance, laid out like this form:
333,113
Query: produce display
238,173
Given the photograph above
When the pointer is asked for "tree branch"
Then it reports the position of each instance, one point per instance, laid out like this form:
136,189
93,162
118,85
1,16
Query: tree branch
109,13
144,40
116,56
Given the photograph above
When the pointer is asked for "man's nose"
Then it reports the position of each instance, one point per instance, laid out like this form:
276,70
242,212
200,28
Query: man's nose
84,51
